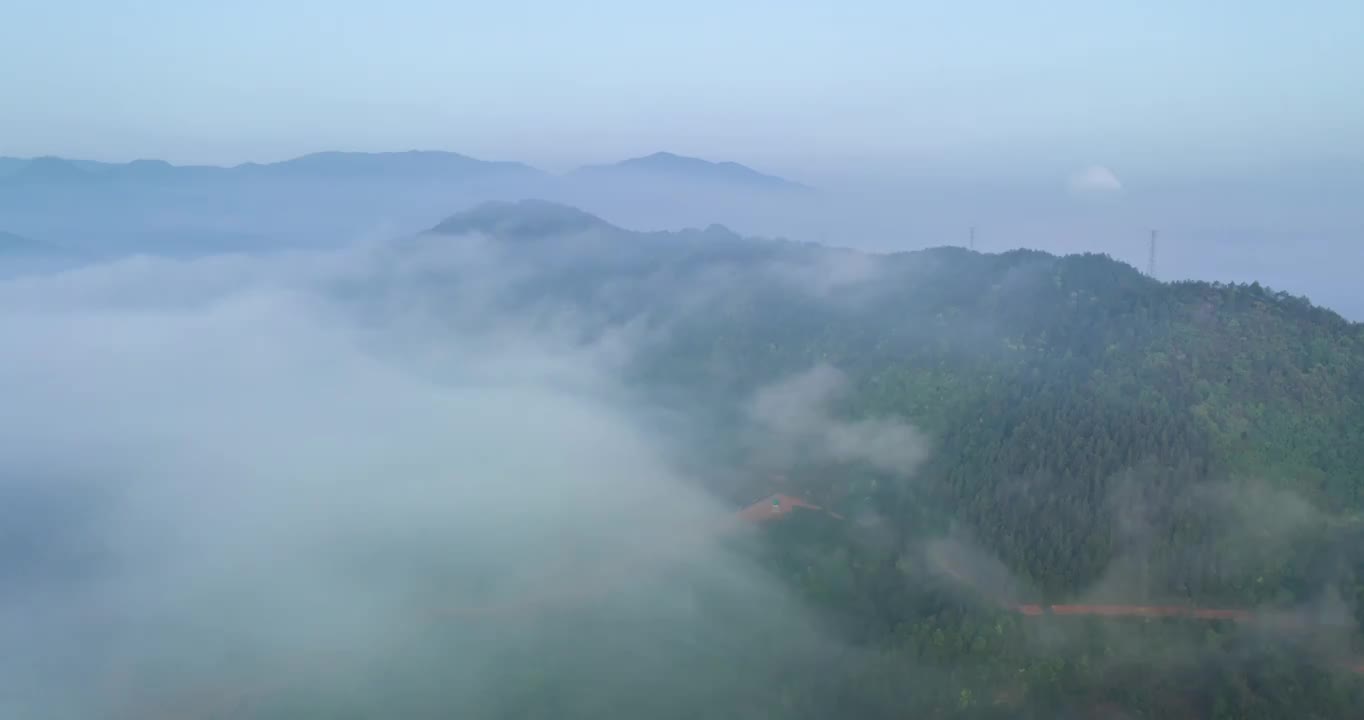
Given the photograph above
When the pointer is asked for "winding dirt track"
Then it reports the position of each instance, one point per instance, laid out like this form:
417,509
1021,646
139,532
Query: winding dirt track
1144,611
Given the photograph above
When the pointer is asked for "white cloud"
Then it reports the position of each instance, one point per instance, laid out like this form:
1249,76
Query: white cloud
299,459
797,412
1094,180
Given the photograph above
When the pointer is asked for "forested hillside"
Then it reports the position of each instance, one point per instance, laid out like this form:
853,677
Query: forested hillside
1095,435
520,465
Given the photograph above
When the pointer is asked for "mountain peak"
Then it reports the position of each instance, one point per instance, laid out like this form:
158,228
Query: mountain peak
683,167
412,163
149,163
147,168
50,169
522,219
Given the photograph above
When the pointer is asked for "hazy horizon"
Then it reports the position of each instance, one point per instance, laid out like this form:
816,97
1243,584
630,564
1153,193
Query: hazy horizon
985,90
1236,129
470,433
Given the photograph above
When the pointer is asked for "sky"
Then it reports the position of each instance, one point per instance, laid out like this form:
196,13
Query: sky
817,90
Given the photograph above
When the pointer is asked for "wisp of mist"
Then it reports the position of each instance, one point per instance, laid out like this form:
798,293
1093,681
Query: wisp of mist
341,480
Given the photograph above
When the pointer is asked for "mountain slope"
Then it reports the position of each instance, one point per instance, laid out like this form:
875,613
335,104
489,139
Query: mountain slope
1095,436
1064,374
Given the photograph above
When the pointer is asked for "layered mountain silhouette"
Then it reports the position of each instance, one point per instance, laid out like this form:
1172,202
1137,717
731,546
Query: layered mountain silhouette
679,167
339,165
413,164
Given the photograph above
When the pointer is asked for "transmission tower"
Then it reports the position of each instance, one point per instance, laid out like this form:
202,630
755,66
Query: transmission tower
971,242
1151,259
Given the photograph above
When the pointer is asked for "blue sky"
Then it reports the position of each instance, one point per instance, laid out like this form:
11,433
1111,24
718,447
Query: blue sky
816,90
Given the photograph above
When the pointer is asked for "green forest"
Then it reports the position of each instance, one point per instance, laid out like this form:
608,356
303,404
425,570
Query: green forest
1106,438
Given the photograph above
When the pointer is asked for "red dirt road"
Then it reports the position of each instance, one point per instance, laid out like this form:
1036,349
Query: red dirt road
1147,611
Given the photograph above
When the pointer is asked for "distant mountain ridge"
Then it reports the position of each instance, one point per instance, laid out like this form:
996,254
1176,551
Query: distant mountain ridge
411,164
681,167
50,169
